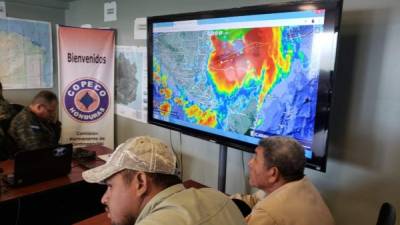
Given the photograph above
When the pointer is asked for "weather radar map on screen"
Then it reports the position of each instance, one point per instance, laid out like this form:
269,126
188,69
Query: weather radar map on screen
242,77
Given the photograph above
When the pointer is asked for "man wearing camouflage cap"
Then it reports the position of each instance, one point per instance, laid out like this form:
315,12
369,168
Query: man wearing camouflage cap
144,189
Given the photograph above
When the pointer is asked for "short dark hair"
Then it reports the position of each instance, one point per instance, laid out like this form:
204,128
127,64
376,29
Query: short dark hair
159,179
44,97
286,154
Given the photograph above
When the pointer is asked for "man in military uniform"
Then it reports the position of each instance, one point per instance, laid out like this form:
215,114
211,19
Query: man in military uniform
36,126
6,113
6,110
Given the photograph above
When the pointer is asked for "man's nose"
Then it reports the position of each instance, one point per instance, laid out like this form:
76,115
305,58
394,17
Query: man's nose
104,199
250,162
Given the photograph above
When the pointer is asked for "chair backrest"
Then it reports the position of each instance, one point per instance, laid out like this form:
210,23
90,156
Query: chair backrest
4,139
5,123
387,215
243,207
8,145
17,107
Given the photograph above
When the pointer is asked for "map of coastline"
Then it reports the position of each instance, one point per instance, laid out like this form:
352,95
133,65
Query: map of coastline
26,54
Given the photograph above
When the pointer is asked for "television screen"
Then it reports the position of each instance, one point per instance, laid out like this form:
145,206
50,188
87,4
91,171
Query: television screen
235,76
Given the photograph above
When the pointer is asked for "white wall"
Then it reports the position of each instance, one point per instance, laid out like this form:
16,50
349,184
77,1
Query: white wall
363,168
364,147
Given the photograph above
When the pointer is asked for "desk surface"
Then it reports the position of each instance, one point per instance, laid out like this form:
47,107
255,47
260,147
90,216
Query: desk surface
102,219
73,177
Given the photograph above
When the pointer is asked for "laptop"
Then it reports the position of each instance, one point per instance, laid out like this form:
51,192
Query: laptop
40,165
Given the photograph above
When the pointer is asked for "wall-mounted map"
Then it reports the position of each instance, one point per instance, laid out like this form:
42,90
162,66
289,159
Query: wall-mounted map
26,55
131,82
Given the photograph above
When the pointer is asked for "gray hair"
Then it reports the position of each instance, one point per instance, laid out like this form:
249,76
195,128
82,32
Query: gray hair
286,154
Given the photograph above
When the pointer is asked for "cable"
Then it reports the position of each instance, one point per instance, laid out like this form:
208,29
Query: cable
243,166
170,141
18,210
181,149
244,172
180,164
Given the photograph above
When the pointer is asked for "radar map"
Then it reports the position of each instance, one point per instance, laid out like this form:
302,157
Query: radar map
252,81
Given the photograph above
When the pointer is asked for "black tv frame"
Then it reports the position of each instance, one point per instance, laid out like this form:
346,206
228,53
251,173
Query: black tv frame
325,84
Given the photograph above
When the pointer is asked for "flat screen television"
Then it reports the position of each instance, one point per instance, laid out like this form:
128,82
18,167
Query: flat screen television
237,75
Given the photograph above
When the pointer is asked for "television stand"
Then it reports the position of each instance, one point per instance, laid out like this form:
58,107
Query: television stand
223,152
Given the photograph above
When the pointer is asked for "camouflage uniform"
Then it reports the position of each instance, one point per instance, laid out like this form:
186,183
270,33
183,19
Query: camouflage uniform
6,114
6,110
30,132
3,144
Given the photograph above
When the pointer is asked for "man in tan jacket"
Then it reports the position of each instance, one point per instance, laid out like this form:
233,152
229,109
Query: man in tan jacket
143,189
277,168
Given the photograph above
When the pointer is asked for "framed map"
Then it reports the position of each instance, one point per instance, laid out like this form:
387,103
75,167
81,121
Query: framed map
26,54
131,82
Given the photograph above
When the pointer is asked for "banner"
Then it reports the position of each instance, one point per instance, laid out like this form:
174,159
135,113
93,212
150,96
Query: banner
86,84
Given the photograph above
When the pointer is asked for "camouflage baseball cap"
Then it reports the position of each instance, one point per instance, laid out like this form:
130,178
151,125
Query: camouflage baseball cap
142,153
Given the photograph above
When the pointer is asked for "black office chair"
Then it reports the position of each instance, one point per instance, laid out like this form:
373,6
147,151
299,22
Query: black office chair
387,214
7,144
4,124
17,107
243,207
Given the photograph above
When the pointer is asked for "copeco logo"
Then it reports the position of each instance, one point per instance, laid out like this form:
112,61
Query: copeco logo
86,100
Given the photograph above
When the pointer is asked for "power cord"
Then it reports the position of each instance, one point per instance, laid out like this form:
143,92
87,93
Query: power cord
180,162
18,211
244,172
181,155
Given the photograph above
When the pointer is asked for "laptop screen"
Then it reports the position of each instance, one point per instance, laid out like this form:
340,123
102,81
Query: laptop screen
42,164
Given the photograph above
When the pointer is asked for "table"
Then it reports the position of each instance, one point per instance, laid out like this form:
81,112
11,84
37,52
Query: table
73,177
62,200
100,219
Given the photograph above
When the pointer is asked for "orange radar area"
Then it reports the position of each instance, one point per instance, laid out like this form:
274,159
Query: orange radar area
179,101
165,109
261,51
167,92
193,111
206,118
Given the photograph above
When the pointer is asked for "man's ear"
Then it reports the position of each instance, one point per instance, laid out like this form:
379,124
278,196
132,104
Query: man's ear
35,108
142,183
273,175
